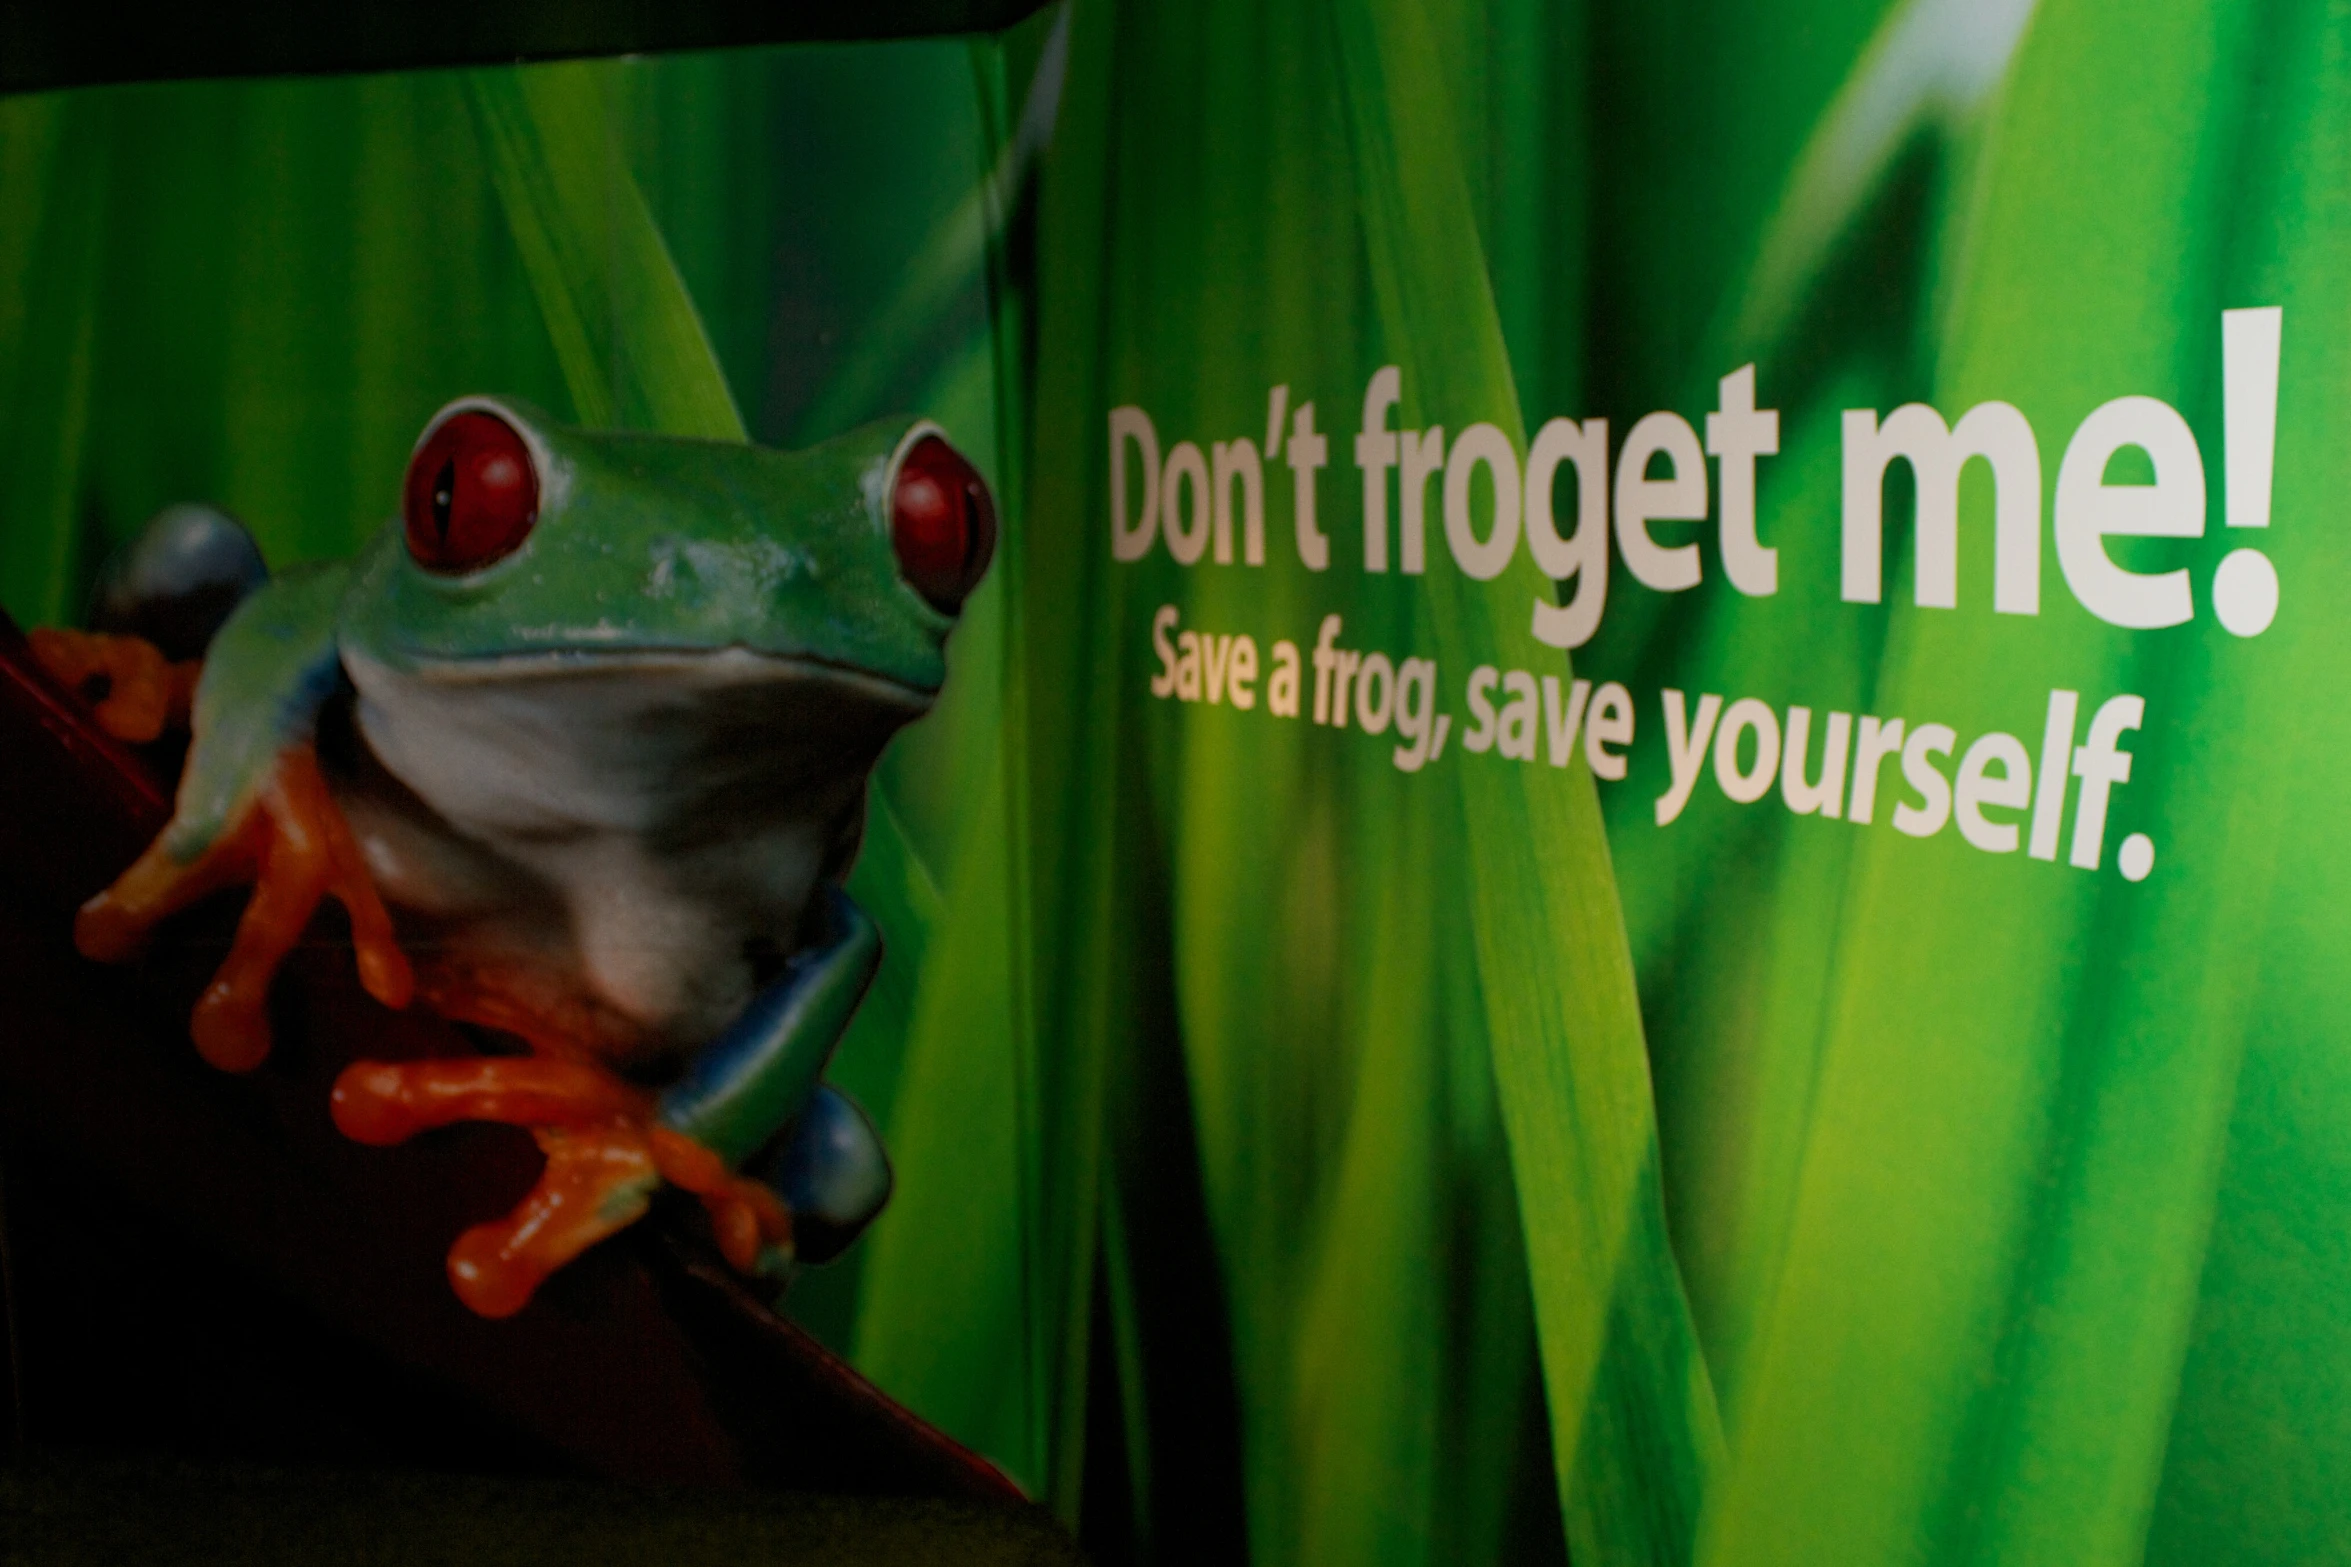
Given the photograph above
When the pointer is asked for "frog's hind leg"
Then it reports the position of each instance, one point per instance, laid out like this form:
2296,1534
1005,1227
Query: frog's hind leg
608,1143
600,1171
292,844
598,1181
605,1157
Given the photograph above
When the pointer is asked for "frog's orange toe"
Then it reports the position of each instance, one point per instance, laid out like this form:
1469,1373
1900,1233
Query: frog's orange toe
487,1277
384,970
368,1104
112,926
134,692
597,1181
106,932
231,1027
746,1215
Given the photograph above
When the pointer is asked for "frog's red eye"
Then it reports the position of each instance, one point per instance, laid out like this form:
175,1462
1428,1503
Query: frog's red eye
472,494
942,523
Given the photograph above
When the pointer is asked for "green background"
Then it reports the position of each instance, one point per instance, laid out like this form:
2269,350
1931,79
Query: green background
1303,1158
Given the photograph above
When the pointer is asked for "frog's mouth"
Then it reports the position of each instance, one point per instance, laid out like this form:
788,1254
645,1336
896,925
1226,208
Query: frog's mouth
662,667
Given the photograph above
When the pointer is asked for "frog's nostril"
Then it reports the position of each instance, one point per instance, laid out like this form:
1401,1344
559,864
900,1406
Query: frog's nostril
943,523
472,494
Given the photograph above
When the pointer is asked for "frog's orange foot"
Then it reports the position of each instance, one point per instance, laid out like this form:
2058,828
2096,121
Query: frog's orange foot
605,1158
753,1226
292,844
598,1180
133,690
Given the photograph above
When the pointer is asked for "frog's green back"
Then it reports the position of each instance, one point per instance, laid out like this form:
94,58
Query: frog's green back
661,543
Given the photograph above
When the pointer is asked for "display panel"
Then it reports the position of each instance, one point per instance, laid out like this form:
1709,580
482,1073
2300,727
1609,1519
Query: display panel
1613,851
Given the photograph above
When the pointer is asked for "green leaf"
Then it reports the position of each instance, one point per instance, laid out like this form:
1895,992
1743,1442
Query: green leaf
53,184
633,351
1634,1427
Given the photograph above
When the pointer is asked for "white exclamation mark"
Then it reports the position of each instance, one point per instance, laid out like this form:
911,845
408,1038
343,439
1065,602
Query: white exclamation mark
2245,589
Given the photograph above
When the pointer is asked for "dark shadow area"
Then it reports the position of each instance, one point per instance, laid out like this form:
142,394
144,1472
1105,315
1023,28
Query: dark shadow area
1171,1381
130,1340
165,1513
44,44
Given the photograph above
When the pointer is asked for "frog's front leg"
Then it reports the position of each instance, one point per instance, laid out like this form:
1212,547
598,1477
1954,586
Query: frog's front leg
253,808
134,692
291,843
609,1144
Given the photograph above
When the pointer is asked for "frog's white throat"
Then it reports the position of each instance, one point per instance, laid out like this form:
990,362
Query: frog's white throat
671,806
558,744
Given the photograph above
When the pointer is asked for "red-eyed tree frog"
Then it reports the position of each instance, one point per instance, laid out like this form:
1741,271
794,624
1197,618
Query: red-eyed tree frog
581,743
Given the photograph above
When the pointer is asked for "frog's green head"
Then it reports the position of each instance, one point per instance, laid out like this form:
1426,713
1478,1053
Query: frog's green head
526,540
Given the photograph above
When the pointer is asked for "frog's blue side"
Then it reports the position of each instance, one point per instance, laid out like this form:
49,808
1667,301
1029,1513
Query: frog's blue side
757,1076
